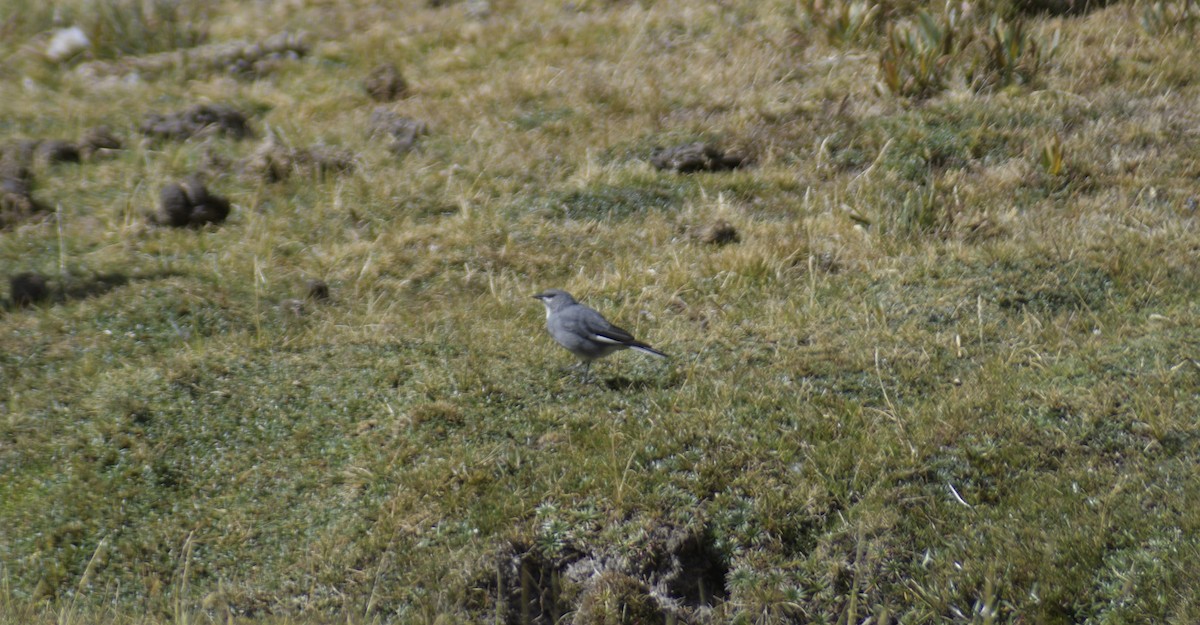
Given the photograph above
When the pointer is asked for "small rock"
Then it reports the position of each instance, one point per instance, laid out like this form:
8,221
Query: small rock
692,157
385,83
66,43
27,289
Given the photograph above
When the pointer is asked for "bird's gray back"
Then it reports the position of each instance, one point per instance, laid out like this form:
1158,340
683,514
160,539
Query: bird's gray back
574,326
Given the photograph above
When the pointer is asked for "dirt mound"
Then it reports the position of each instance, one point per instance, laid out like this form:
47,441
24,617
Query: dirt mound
189,204
16,195
95,142
385,83
719,232
693,157
200,119
27,289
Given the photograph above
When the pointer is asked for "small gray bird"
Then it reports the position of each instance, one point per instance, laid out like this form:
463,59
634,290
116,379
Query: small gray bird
583,331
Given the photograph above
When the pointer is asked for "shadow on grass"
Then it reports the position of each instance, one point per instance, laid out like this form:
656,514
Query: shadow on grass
79,288
92,286
622,383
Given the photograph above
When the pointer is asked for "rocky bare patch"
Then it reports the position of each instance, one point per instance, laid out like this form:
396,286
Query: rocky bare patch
670,574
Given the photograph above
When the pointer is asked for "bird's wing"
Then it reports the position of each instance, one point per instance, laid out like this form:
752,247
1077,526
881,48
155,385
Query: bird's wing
590,323
586,322
602,331
615,335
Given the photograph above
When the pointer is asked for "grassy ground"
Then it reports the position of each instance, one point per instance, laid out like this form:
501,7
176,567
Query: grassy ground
947,373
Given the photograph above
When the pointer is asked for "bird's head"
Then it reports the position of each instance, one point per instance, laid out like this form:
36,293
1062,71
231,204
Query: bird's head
555,299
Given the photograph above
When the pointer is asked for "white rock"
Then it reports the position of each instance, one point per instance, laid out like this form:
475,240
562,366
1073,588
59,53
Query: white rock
66,43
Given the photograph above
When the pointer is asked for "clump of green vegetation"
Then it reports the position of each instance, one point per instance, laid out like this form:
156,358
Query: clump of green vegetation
1011,56
925,55
844,22
916,59
932,342
1051,158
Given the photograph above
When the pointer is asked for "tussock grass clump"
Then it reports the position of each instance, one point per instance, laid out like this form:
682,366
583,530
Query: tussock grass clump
926,55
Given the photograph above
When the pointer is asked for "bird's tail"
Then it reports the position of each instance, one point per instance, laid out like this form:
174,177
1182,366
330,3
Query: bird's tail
646,349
